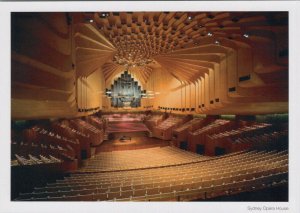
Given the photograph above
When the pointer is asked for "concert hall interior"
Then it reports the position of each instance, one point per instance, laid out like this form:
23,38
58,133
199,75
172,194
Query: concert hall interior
149,106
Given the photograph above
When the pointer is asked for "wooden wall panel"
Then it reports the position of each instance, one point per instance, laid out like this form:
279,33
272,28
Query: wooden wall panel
43,80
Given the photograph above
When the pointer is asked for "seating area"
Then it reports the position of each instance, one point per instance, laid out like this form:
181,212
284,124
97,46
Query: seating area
70,129
181,132
52,139
99,123
198,136
33,160
139,159
67,140
243,131
96,135
250,161
153,120
217,125
165,128
187,125
261,141
25,150
169,123
215,136
214,177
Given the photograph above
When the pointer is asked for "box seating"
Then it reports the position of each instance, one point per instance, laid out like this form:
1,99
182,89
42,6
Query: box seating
215,124
24,153
237,137
181,132
67,147
260,140
84,139
96,135
198,136
240,131
96,121
153,120
165,128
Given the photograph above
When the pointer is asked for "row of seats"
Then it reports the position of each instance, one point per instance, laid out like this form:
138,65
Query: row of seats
75,131
164,129
214,177
187,125
169,123
264,138
240,131
96,135
214,125
54,136
99,123
32,160
86,125
153,120
134,159
83,138
67,140
26,149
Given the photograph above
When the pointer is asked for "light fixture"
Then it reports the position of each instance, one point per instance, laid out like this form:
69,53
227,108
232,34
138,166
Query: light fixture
190,17
217,42
91,20
209,34
246,35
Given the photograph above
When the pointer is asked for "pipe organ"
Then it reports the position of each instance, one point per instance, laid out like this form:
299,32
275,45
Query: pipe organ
125,92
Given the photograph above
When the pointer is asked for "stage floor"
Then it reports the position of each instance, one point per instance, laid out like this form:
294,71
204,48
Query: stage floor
126,127
124,118
138,142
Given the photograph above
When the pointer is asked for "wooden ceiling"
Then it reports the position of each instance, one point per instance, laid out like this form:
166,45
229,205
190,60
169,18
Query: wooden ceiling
142,41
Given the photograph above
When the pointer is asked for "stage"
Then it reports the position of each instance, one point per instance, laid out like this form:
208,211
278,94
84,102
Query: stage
127,132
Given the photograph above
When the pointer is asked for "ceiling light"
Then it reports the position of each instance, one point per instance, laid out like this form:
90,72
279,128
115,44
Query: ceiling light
190,17
91,20
209,34
246,35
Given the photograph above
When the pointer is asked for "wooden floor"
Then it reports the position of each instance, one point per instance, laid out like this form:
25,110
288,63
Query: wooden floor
136,142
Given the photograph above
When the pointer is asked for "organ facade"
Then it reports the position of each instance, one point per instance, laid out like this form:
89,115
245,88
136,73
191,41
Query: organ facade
125,92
